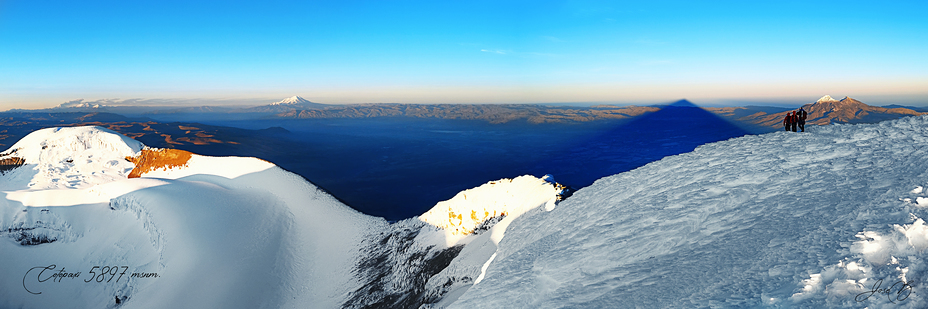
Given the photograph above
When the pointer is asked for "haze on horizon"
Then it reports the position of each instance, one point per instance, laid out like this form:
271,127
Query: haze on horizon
469,52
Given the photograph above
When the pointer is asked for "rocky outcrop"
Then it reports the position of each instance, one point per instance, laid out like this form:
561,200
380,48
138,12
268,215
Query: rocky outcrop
9,163
156,159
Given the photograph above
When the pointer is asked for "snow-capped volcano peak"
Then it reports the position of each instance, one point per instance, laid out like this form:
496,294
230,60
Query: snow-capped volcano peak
292,100
826,98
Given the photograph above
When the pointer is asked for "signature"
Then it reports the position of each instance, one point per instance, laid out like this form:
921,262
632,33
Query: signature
96,274
902,291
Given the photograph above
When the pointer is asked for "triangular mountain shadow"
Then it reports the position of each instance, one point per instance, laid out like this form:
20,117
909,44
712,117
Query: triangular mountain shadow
682,117
677,128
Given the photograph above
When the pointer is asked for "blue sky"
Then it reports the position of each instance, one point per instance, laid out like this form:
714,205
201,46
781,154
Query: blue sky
224,52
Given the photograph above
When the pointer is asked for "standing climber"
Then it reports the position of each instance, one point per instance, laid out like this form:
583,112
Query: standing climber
795,122
787,121
802,119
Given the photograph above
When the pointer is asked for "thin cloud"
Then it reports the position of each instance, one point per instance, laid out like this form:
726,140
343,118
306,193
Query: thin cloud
494,51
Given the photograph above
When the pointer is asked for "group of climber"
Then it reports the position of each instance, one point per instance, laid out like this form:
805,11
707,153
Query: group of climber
794,120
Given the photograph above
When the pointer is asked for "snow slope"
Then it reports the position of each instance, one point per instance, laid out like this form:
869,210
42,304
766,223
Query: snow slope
218,232
221,232
812,220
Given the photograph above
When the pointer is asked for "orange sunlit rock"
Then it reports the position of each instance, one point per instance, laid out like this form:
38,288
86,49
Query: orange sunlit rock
155,159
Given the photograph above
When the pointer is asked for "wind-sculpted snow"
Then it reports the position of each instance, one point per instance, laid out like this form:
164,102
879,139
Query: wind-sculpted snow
826,218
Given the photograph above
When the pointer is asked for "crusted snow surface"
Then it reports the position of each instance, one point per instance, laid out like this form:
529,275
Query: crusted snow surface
824,218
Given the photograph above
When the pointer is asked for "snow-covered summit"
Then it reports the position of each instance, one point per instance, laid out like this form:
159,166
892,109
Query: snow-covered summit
292,100
71,157
826,99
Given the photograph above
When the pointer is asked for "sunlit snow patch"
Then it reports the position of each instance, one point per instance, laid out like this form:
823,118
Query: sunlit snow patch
502,200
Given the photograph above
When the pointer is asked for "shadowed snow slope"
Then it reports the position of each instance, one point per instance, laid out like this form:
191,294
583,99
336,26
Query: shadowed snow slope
787,219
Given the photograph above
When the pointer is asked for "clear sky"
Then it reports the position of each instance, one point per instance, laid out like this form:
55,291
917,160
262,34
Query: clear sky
462,51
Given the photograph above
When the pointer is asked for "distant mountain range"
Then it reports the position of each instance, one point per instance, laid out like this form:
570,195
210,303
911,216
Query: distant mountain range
282,106
203,138
492,113
299,108
824,111
914,108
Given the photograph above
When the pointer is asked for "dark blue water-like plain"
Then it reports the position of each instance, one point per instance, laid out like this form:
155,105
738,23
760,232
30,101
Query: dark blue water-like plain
399,168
